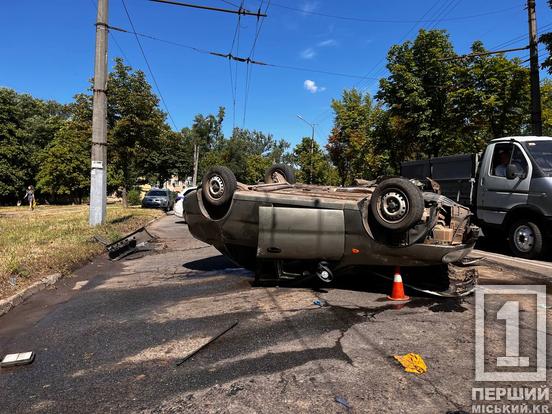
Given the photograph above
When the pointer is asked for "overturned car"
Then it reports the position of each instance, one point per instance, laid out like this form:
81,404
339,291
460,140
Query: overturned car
281,225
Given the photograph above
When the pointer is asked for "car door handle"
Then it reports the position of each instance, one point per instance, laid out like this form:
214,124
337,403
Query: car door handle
274,250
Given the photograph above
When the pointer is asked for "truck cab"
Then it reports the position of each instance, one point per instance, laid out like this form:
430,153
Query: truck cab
508,188
514,192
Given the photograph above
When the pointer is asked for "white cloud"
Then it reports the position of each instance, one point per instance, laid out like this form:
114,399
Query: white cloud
312,87
309,6
308,53
327,43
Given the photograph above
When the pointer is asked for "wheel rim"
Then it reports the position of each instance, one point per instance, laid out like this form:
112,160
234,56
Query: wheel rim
216,187
393,206
278,177
524,238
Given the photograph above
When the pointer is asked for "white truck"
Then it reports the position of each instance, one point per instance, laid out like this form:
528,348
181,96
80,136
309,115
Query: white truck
508,188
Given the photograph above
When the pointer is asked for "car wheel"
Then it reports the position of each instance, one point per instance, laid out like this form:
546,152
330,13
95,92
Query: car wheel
218,186
279,173
525,239
397,204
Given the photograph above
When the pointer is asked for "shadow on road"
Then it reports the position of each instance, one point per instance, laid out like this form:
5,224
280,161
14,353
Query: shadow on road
210,263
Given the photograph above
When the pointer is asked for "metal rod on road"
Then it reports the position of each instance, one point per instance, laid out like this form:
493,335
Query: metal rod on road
98,180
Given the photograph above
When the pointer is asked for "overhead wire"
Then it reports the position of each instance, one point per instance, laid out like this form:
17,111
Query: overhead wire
438,16
148,65
326,113
379,20
249,67
234,77
231,57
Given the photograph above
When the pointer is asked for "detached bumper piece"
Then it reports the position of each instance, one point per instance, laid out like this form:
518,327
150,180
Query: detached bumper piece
131,243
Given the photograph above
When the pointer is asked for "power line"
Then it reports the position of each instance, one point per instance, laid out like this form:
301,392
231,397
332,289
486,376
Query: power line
469,55
325,114
148,65
240,11
249,68
231,57
234,77
366,20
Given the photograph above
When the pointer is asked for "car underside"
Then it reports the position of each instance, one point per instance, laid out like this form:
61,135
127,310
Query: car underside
324,229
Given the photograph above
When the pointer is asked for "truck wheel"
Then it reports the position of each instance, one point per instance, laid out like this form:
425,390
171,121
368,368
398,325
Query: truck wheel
397,204
525,239
279,173
218,186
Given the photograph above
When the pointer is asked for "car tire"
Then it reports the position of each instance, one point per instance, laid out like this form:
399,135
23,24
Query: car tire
279,173
397,204
525,239
218,186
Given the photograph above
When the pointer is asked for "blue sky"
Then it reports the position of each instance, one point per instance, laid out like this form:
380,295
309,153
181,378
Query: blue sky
47,50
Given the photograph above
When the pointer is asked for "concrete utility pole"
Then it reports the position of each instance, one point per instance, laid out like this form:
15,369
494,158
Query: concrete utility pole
536,113
312,147
98,173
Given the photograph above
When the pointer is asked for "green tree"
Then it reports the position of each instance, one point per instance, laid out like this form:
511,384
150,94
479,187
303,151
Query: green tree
64,165
27,125
313,165
438,105
353,142
135,126
546,96
247,153
416,92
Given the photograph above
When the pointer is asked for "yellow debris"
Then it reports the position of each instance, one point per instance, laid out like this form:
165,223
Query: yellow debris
412,363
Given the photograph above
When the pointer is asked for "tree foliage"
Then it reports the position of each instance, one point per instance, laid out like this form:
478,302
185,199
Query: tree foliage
352,145
313,164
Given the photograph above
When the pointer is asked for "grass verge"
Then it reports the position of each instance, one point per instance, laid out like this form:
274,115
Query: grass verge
55,239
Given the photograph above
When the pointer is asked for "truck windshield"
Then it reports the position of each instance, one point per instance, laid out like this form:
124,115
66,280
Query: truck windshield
542,153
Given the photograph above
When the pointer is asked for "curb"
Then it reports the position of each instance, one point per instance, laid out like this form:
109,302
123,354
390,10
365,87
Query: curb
11,302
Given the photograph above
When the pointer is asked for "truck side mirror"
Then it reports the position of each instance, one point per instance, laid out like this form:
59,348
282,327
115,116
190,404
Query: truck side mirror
511,172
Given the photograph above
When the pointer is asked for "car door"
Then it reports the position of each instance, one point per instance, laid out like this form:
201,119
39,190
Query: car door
497,194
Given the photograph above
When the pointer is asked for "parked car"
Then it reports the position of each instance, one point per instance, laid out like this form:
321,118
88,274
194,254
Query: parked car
508,188
158,198
324,229
179,202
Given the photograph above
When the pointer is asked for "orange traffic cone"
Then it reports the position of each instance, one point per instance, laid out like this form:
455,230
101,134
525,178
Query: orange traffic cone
398,289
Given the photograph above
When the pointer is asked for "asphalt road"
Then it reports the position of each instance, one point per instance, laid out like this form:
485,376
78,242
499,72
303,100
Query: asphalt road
108,340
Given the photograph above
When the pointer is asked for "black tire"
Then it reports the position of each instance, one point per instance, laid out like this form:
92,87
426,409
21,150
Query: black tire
397,204
218,186
279,173
525,239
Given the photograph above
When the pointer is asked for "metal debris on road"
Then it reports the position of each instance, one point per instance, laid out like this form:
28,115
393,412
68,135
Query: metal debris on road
214,338
343,401
22,358
131,243
412,362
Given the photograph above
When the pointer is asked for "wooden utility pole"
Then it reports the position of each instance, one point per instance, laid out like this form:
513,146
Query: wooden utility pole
98,173
536,113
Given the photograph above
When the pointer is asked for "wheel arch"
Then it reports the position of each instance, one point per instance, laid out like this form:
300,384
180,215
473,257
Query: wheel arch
526,211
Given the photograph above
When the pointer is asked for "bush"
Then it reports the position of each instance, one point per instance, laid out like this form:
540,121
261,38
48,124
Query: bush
134,197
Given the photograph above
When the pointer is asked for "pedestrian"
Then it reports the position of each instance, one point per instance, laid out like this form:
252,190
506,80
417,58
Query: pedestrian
30,196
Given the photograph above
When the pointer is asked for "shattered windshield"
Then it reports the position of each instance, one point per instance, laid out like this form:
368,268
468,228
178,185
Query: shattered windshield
542,153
